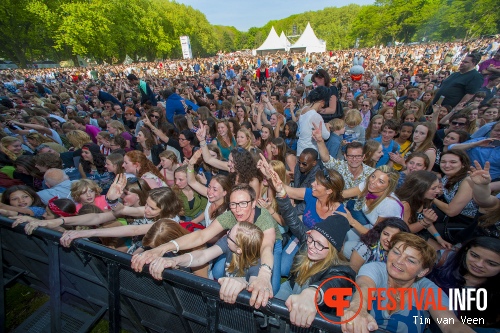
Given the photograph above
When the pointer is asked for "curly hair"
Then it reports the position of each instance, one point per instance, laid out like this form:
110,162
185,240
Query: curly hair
245,166
81,186
98,158
145,165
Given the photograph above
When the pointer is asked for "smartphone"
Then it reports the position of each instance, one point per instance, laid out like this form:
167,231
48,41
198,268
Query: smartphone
495,143
440,100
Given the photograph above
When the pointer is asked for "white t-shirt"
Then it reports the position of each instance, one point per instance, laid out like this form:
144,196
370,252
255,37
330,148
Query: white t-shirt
305,128
389,207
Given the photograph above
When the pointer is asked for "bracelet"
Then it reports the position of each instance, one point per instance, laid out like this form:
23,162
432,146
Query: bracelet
190,261
110,202
436,235
177,248
266,266
203,143
63,221
282,193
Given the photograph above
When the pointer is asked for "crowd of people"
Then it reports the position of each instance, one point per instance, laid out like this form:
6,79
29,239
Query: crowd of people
237,168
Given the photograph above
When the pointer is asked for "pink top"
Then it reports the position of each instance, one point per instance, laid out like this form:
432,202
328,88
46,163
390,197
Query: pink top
99,201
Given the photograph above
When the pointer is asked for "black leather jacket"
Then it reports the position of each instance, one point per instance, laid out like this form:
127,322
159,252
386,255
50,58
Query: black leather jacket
299,230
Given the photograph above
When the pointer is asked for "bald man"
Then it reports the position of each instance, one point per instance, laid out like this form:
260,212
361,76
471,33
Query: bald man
58,184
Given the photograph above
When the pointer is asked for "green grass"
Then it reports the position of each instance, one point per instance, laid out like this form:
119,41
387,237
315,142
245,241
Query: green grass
23,301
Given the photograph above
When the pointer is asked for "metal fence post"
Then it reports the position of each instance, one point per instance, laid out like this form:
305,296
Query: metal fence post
113,296
55,287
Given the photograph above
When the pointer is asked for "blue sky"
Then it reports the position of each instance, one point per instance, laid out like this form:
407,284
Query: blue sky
255,13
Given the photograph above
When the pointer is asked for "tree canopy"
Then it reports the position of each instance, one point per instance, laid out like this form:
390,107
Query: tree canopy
109,30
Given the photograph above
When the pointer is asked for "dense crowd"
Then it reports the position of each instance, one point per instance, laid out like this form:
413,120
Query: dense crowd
273,173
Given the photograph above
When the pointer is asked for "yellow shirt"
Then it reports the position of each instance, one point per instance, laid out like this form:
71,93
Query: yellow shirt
403,149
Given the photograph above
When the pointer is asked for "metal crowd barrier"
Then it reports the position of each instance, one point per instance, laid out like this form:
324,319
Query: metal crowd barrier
89,282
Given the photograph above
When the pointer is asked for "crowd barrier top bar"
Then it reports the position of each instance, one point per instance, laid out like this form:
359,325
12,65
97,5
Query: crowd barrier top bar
107,259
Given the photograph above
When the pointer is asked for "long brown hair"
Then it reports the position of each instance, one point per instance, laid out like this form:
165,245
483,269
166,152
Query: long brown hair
145,165
220,140
464,158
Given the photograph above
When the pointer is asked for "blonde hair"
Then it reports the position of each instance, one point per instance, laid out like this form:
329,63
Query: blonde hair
353,118
393,176
78,138
249,239
169,155
117,125
7,141
336,124
248,136
304,268
81,186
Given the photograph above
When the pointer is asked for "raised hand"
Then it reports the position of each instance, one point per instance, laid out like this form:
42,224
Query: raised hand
116,189
195,157
479,175
201,133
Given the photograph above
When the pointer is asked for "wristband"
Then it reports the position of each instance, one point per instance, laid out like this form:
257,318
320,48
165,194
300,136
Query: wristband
266,266
176,246
191,260
436,235
111,201
190,170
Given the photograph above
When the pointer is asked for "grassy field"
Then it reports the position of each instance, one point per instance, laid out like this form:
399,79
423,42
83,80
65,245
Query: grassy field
22,301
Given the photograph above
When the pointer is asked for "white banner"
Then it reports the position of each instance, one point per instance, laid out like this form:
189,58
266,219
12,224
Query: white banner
186,47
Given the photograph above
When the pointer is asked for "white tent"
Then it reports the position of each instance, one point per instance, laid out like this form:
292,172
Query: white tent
309,42
271,44
284,41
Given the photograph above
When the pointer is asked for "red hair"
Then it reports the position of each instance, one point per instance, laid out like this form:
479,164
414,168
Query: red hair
136,156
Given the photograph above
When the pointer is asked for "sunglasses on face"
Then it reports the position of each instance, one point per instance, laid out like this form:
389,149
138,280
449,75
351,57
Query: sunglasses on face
456,123
154,116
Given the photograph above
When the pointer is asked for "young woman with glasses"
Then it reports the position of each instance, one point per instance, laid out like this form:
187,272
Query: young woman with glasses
241,247
319,256
243,208
323,199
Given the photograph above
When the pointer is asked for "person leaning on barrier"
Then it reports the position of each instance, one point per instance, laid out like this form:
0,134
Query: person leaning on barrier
242,209
409,260
319,259
241,246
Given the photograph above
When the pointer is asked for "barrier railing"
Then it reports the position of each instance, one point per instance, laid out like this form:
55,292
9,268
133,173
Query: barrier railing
88,282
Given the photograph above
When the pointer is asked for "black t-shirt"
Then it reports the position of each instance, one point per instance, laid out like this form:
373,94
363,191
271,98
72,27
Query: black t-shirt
286,73
457,85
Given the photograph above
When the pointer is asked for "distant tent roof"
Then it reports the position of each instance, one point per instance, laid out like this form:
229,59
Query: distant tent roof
272,43
284,41
309,41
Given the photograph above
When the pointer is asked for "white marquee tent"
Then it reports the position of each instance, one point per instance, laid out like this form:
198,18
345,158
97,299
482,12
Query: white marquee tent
272,43
308,42
284,41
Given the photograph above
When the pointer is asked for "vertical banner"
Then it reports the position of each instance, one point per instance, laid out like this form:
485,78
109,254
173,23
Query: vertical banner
186,47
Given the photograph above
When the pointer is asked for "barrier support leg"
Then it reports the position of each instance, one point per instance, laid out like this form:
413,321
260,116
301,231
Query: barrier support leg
55,287
114,297
212,315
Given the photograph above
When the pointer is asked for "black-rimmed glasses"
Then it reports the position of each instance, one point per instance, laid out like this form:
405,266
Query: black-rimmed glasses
242,204
229,237
317,245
